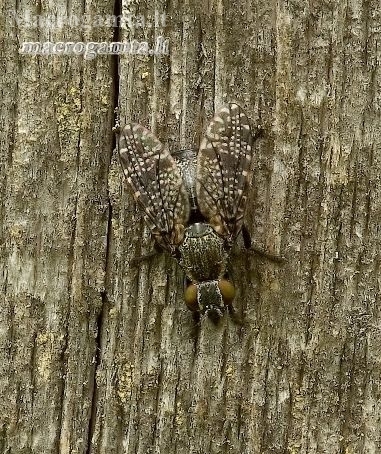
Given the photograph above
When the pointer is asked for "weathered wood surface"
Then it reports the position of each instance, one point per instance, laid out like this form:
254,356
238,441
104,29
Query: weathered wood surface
98,356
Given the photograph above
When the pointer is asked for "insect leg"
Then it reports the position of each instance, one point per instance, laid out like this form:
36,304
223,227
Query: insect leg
257,250
234,315
141,258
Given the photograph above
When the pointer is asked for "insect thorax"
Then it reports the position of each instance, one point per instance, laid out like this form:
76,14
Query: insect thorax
203,255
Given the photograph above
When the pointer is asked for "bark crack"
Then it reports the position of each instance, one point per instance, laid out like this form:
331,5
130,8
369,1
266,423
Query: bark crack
115,67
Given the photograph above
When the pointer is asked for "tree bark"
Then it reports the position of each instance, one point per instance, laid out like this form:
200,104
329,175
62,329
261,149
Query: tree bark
98,355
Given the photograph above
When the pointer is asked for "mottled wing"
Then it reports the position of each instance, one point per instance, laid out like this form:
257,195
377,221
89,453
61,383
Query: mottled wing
156,183
224,170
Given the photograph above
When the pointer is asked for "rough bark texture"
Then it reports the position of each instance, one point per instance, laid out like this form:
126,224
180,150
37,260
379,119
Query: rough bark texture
98,356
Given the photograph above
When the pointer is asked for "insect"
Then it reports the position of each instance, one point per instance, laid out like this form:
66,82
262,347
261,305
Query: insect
194,203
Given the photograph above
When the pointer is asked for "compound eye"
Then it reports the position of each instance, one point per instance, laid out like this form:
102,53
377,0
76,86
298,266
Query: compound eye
227,291
190,297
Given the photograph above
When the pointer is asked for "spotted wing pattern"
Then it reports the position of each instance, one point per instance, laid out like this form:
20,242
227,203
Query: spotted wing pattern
224,170
156,182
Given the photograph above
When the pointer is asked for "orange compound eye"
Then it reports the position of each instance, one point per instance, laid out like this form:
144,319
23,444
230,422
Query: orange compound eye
227,291
190,297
